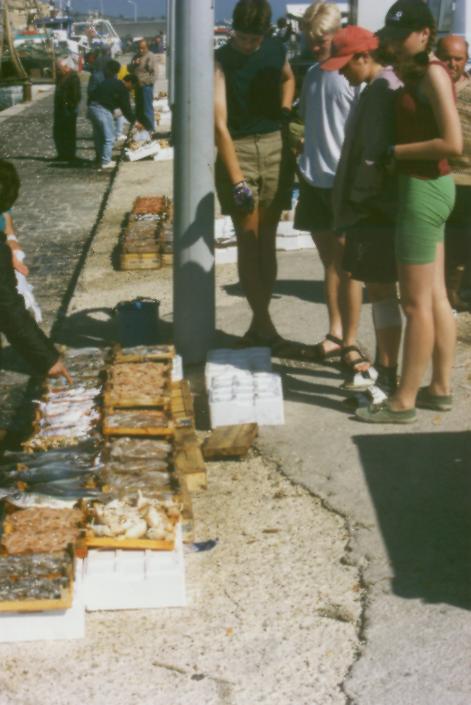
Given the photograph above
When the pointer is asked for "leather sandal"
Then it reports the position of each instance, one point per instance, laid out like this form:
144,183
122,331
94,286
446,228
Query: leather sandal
318,352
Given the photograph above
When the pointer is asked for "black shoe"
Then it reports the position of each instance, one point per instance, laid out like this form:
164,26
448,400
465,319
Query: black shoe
387,379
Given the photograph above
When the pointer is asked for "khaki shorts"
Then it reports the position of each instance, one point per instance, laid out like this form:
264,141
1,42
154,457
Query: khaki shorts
265,165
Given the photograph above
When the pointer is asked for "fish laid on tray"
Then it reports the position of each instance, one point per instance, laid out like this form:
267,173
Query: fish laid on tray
41,530
133,449
133,421
42,576
145,518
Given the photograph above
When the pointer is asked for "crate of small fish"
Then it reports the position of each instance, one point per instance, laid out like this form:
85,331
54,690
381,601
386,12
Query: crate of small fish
138,385
37,558
144,353
36,582
68,414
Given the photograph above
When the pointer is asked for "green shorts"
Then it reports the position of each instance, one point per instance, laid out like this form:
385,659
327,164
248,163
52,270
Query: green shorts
424,207
264,163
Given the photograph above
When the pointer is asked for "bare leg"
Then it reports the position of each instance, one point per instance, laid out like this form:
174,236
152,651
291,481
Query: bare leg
326,243
445,331
416,284
351,300
388,339
269,219
247,231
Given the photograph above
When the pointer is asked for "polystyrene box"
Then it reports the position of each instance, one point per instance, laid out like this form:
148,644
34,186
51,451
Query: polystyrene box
127,580
46,626
268,401
227,361
147,150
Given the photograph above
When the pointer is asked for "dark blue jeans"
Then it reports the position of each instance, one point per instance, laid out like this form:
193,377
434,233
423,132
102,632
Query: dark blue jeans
145,107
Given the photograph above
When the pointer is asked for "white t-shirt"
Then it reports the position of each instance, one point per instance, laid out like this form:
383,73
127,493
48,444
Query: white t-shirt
326,101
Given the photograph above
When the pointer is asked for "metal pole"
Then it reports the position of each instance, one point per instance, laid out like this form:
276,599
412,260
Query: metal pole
193,276
171,50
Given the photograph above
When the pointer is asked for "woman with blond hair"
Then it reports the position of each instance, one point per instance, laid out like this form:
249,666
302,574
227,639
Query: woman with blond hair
428,131
326,102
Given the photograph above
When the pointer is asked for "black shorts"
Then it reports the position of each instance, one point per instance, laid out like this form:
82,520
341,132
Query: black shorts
314,210
369,252
458,229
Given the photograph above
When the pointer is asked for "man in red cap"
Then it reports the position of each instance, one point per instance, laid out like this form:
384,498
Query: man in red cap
364,192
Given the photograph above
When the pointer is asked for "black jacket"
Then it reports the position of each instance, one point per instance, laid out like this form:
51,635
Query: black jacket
17,324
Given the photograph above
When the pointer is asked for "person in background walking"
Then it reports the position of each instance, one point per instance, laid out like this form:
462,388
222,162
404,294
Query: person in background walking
143,66
254,90
109,95
428,131
326,102
67,98
453,51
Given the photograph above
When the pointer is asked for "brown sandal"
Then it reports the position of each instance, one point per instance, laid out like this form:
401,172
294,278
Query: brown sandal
319,354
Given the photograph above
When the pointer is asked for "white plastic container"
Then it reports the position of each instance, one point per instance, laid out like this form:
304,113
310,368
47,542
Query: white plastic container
126,580
46,626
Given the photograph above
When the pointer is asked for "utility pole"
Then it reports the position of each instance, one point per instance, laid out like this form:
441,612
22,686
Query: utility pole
193,276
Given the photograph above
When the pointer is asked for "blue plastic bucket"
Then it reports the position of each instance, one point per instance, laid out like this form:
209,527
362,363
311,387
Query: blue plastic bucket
137,322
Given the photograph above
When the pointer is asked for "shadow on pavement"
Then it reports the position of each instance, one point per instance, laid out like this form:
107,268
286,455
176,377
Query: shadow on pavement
312,291
421,488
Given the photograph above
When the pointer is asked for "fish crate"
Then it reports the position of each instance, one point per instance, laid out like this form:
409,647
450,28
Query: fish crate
143,353
141,260
135,579
64,602
147,425
131,396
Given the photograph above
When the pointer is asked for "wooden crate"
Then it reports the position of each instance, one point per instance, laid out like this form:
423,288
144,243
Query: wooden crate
113,544
144,260
230,441
159,353
62,603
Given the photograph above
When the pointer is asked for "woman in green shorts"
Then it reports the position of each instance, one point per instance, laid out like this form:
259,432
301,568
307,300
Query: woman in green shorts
428,131
254,90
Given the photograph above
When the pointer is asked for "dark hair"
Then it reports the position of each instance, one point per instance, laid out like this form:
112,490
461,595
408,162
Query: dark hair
131,78
9,185
252,16
112,68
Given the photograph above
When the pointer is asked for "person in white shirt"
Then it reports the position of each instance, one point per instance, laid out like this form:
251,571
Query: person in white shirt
325,106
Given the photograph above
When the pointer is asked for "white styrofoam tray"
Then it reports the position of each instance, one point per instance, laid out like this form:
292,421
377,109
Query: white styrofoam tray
47,626
126,580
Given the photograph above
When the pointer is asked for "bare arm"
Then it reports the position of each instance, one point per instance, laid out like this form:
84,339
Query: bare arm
224,141
437,88
14,244
288,86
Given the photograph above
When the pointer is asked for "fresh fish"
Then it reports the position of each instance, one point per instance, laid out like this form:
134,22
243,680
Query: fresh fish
48,473
46,496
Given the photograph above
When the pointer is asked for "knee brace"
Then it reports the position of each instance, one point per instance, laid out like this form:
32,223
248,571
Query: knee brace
387,314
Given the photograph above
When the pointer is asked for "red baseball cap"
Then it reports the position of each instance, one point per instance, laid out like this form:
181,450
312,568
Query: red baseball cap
347,42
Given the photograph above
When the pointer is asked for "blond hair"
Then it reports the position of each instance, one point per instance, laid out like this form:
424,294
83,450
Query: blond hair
321,18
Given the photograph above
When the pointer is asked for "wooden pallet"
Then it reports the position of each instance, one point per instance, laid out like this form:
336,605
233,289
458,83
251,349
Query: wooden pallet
230,441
